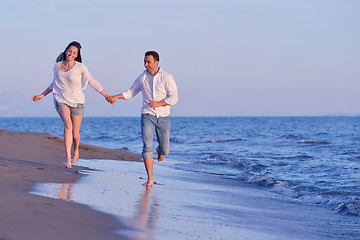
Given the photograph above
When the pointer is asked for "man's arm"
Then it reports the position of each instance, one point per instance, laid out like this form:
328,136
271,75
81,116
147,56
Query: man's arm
171,91
155,104
113,99
131,92
172,94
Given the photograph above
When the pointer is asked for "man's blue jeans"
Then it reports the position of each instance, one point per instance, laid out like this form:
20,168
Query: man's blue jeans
161,126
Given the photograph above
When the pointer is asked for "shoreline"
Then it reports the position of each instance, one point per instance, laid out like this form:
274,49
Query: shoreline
193,205
109,202
30,158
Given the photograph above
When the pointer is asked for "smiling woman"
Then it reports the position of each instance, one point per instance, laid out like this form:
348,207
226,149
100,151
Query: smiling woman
70,79
71,53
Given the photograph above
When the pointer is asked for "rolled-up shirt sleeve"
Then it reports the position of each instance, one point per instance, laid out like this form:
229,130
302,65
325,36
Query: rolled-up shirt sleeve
171,91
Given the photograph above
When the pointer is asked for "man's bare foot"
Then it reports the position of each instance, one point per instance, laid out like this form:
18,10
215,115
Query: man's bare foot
68,164
160,157
149,183
76,156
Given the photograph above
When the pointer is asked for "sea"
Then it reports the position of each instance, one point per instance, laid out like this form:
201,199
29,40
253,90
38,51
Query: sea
313,160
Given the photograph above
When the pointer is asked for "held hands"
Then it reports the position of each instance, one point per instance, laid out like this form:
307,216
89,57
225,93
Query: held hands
111,99
108,98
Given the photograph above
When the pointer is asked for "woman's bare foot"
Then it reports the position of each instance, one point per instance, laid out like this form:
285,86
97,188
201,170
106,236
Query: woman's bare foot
76,155
68,163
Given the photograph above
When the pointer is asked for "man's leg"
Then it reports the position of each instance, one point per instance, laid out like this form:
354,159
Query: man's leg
163,136
147,132
149,163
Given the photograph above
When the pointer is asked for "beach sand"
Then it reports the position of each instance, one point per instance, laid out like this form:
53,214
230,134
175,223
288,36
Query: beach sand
197,206
40,199
29,158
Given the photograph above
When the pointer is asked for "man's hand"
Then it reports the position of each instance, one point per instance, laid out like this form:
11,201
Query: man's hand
111,99
153,104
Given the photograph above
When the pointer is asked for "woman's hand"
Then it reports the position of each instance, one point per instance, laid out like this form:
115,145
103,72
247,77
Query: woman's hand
111,99
107,97
37,97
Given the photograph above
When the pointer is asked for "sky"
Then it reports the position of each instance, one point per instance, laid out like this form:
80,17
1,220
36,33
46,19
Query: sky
228,57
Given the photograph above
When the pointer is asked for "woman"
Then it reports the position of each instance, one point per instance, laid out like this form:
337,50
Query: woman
70,79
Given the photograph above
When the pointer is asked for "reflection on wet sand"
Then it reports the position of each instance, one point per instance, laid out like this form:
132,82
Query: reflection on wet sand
66,191
141,207
146,210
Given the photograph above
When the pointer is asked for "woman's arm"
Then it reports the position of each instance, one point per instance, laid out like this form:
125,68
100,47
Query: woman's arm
104,93
39,97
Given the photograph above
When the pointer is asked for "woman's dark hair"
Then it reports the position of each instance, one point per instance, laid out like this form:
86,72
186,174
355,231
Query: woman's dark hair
154,54
62,56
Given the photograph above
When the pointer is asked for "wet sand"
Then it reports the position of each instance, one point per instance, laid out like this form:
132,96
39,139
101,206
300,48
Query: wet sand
113,204
194,205
29,158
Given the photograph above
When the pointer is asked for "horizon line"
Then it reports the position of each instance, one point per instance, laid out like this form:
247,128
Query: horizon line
324,115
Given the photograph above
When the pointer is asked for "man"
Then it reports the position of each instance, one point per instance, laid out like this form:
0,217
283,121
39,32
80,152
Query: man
159,93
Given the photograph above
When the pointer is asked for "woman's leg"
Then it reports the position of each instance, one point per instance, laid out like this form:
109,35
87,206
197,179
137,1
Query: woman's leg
76,122
64,113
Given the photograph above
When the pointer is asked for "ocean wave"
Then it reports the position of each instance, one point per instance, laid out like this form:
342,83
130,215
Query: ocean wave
352,208
257,167
215,157
313,141
322,134
203,140
107,138
261,172
100,137
284,159
305,141
337,202
218,159
289,137
284,188
262,180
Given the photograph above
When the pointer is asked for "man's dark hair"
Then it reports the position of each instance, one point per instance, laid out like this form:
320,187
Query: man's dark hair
154,54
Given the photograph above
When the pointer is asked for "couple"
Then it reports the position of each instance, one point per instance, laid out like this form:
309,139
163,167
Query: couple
158,89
